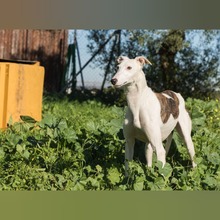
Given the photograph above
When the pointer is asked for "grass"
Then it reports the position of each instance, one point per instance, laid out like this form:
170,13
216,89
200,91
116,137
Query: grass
80,146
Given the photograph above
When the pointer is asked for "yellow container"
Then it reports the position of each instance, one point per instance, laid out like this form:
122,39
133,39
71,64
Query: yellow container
21,90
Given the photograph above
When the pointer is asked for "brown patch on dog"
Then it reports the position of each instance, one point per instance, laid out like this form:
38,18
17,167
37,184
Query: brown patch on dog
168,105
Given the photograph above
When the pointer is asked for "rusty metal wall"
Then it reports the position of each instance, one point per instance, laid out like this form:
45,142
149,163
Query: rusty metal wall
47,46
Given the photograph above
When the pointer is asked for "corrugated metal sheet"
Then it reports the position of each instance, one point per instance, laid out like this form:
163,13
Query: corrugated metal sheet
47,46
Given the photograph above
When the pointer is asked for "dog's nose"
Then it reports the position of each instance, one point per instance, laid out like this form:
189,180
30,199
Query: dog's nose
114,81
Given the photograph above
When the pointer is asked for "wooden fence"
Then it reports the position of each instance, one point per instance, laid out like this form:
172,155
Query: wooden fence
47,46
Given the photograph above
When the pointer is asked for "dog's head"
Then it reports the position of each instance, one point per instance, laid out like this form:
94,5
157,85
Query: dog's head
127,69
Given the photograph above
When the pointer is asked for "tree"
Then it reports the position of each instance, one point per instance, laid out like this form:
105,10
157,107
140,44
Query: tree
185,61
198,65
110,49
171,44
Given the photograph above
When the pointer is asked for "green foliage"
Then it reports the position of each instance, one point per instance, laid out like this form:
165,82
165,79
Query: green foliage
186,61
80,146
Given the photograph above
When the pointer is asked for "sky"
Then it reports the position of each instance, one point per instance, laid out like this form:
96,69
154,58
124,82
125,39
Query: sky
93,77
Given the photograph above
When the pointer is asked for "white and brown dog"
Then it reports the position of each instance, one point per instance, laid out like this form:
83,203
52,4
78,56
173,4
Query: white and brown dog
151,117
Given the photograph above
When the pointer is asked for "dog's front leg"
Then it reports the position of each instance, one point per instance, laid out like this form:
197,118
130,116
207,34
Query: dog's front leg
129,152
154,137
149,154
161,153
137,121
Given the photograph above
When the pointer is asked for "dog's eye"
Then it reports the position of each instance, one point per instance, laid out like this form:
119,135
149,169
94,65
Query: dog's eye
129,68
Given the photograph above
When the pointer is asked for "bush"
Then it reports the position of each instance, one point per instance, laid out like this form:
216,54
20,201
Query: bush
80,146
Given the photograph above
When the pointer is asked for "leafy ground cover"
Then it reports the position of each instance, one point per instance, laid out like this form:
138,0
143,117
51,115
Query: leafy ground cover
80,146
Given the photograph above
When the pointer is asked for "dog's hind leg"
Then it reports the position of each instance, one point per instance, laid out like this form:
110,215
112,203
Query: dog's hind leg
184,128
168,142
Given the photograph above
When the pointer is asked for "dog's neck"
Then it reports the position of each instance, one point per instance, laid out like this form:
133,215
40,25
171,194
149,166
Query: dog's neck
136,87
134,93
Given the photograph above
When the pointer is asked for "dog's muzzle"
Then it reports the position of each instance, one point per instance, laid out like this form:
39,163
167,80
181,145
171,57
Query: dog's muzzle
114,81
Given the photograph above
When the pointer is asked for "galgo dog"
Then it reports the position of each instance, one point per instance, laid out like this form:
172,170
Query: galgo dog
151,117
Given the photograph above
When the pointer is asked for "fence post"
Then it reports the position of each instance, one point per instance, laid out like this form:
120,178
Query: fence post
74,64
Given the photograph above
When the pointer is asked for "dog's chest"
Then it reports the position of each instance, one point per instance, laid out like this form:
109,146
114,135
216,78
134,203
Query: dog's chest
149,125
158,113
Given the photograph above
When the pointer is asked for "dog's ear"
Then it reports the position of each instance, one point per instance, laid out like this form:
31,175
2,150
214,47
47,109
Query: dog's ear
143,60
121,58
